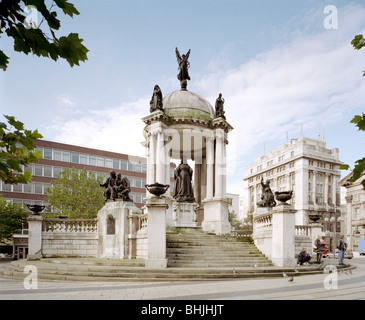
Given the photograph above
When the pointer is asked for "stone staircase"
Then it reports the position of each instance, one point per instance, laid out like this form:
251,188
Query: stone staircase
195,249
192,256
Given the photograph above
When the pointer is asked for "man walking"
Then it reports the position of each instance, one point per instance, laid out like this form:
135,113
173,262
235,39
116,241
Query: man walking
341,246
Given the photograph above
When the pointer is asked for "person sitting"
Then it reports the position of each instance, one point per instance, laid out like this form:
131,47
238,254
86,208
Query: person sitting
304,257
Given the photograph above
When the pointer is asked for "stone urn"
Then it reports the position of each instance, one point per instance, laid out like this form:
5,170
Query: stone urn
314,217
157,189
283,196
35,208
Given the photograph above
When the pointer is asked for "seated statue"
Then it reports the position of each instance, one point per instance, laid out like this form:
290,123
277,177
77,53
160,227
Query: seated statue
109,184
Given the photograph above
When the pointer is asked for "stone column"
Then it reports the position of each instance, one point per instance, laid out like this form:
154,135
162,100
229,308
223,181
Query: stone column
334,190
283,236
151,160
326,189
160,158
314,188
156,234
218,164
210,163
34,237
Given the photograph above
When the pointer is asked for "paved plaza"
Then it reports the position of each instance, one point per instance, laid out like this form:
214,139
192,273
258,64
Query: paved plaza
342,285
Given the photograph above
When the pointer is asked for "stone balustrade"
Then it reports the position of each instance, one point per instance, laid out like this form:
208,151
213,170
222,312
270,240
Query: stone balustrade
70,225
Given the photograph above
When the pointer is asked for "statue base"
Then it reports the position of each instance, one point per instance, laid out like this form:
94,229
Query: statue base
216,216
113,228
184,215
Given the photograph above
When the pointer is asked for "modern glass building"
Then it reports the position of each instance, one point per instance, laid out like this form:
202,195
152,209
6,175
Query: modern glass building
59,156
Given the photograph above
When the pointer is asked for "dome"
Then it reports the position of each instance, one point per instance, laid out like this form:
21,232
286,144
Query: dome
187,105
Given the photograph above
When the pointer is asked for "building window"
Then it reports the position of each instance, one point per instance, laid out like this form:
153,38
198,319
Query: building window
47,171
109,163
56,171
75,158
47,154
38,170
92,161
100,162
115,164
123,165
83,158
57,155
66,156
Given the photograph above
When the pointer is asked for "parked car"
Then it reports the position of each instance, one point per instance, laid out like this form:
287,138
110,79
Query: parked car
348,255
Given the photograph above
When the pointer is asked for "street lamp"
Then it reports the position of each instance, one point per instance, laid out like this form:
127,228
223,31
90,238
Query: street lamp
333,222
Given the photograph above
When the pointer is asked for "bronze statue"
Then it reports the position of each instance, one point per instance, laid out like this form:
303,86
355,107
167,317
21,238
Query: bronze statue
219,107
116,187
183,189
184,65
267,197
156,100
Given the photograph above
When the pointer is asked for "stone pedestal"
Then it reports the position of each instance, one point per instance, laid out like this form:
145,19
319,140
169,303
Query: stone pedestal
156,233
283,236
113,229
35,237
216,216
184,215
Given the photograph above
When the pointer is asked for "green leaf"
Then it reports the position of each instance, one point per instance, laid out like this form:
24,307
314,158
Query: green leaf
67,8
359,121
344,167
358,42
4,60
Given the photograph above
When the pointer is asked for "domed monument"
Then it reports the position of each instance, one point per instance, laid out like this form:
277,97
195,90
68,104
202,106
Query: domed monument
187,128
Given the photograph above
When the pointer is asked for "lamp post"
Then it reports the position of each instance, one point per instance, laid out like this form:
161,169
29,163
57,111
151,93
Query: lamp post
333,222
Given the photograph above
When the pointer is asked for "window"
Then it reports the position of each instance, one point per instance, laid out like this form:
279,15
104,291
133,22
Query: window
47,154
108,163
47,171
292,154
100,162
138,167
56,171
144,168
18,188
138,183
83,158
57,155
281,158
75,158
38,170
38,188
123,164
115,164
92,161
66,156
28,187
130,166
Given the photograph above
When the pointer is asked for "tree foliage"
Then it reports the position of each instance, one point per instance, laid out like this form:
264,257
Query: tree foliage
76,194
359,167
12,218
30,38
16,149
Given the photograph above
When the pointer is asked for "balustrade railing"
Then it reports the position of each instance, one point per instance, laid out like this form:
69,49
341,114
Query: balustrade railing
70,225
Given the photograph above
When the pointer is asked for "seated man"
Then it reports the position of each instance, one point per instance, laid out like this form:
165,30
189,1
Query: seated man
109,185
304,257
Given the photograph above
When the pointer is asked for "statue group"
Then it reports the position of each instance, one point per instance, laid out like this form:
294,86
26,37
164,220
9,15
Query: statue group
184,65
267,197
116,187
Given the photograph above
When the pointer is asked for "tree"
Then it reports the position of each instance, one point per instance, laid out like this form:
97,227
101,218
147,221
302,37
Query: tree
77,194
18,19
235,222
359,167
358,43
16,149
12,218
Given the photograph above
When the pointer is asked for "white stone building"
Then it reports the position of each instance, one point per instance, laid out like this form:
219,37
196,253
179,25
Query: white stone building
308,168
355,207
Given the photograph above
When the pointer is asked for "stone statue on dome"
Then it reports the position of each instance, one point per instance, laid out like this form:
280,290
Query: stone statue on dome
219,107
184,65
156,100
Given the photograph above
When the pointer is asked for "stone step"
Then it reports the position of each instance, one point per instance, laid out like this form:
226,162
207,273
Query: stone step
81,271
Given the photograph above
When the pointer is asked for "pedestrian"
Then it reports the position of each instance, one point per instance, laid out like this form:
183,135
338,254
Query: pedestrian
318,244
341,246
304,257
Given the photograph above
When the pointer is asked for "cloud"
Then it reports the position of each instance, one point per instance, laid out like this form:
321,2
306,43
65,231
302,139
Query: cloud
311,79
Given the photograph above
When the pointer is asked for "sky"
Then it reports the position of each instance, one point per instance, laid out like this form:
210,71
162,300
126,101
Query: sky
280,65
